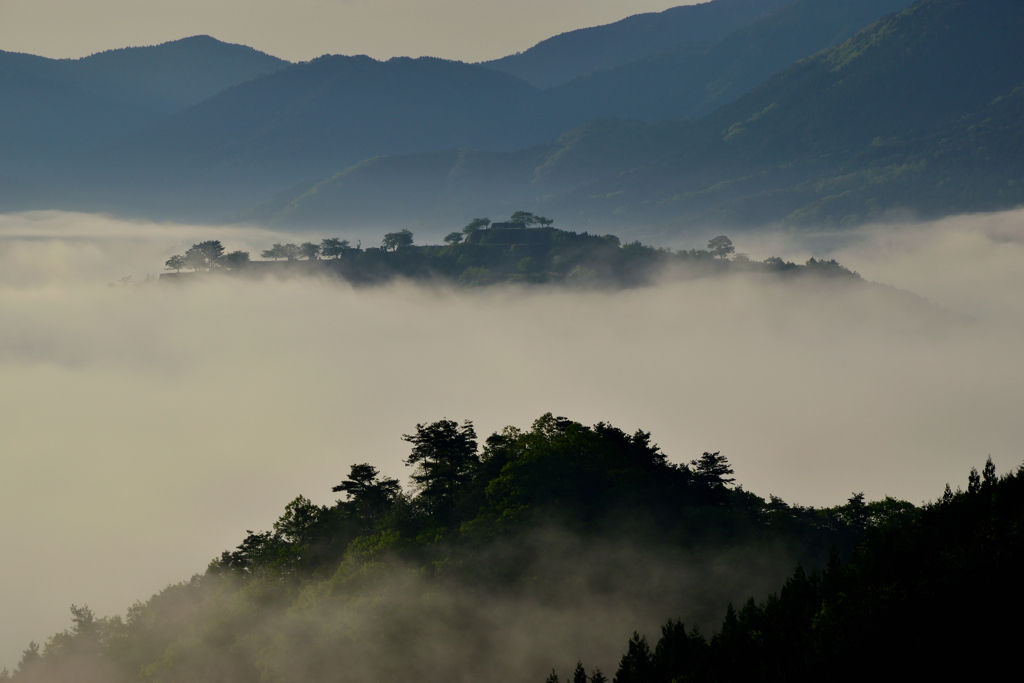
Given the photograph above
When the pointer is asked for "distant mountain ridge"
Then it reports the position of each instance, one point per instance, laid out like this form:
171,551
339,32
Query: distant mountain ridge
309,120
52,110
924,110
580,52
166,78
920,111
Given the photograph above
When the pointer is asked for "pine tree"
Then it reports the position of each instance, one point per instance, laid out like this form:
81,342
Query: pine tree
947,495
988,474
672,654
973,481
445,455
636,665
711,469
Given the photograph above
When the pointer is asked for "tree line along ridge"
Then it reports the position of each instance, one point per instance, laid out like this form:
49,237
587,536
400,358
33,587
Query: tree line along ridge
526,249
890,582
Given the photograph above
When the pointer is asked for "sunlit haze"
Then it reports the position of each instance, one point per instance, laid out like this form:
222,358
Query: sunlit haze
469,30
147,427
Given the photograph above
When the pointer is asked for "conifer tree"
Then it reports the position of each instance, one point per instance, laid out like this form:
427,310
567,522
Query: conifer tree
973,481
444,454
636,665
988,474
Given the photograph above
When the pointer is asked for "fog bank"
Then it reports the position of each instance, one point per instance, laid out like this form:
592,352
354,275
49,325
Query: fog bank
147,427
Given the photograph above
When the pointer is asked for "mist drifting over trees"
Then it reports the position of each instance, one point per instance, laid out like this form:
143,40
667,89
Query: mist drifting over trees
656,352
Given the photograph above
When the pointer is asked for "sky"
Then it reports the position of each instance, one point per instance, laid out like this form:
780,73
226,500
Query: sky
145,428
468,30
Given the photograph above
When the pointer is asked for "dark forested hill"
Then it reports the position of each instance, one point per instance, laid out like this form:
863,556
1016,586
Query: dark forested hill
541,543
510,254
549,545
891,608
54,109
576,53
920,111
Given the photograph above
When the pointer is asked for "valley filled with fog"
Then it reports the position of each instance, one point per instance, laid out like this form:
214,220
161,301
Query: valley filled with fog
148,425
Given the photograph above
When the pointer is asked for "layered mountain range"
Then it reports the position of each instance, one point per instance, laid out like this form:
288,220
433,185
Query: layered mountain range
738,112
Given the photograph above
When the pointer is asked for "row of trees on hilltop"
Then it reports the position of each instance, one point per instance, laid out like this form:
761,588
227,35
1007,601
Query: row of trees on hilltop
209,255
481,255
520,218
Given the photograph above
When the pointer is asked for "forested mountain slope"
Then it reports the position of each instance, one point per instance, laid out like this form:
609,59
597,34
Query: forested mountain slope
891,608
312,119
693,80
307,120
43,123
51,110
548,540
921,111
576,53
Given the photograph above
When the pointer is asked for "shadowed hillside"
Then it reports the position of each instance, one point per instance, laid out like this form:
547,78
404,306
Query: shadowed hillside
889,609
562,529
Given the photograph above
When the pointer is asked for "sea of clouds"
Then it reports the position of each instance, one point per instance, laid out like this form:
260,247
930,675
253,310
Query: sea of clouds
146,426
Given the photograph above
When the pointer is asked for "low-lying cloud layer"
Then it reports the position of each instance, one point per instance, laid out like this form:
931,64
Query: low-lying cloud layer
146,427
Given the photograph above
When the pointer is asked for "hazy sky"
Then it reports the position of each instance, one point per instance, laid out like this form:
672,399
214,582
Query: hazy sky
469,30
146,428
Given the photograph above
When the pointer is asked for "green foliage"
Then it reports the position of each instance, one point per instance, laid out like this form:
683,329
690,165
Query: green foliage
289,252
362,577
176,263
205,254
721,246
309,250
368,495
444,455
333,247
894,606
393,241
532,256
524,218
476,224
235,260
